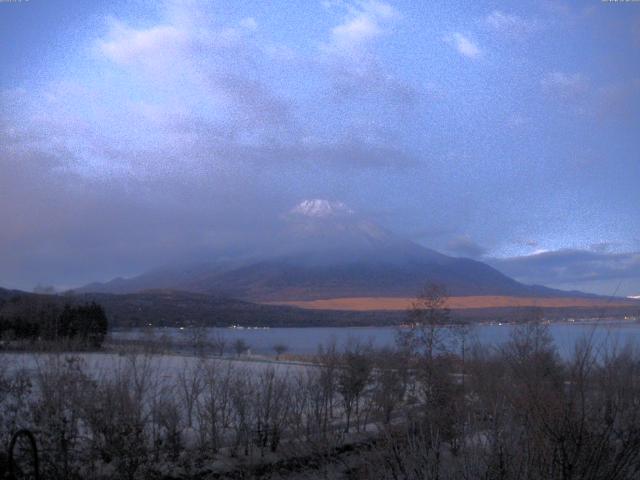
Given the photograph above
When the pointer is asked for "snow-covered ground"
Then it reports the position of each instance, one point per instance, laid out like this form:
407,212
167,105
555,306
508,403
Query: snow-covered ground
169,366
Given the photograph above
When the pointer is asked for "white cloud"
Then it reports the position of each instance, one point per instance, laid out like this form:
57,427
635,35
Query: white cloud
126,45
510,24
249,23
463,44
578,93
574,268
358,73
565,86
363,23
355,32
207,67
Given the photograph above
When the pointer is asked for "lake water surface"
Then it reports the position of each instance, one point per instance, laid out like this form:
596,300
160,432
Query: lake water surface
307,340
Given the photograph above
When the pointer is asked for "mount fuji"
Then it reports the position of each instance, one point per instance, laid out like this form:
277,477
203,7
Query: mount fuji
325,251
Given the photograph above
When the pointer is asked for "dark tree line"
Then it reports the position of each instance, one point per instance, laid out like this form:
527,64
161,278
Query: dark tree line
34,319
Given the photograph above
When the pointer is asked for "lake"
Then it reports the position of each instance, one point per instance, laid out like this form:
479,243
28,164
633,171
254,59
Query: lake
307,340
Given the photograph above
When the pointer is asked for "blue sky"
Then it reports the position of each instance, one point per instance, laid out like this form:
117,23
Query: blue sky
139,133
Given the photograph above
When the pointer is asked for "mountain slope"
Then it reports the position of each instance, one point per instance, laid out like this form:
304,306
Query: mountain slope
288,279
326,251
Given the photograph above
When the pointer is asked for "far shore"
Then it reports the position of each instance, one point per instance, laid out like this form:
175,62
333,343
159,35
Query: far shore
365,304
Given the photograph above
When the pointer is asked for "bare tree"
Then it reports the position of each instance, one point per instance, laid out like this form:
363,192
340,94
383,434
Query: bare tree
241,392
198,337
329,359
190,386
168,417
390,382
427,318
214,404
271,407
462,332
219,343
426,341
240,347
280,348
353,377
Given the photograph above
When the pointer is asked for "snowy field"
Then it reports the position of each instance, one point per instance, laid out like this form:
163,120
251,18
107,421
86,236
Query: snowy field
166,366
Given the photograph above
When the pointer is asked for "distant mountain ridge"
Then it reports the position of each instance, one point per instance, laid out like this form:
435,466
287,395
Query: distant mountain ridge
327,251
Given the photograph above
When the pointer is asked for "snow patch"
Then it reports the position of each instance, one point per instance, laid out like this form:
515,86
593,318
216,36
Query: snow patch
319,208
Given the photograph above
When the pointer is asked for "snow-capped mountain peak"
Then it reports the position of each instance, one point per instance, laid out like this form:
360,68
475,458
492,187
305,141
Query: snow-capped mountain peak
320,208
